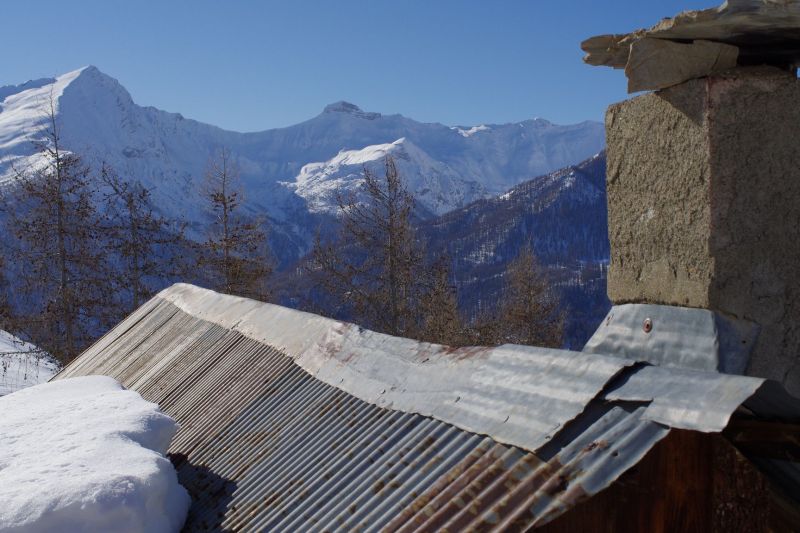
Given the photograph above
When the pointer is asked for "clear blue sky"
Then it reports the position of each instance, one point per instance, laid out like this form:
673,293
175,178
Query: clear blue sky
251,65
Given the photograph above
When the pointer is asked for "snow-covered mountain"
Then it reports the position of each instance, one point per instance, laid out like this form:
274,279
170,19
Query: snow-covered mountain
437,187
287,172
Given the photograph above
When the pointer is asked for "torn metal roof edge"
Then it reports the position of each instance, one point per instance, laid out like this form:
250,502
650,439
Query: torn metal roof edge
518,395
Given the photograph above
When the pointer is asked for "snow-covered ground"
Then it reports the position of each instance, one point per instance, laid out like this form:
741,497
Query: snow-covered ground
22,364
84,454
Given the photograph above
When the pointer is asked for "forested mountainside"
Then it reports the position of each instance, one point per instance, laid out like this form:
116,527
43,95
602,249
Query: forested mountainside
562,215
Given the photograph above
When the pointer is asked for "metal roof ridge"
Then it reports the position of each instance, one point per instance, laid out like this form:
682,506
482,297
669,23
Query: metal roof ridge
518,395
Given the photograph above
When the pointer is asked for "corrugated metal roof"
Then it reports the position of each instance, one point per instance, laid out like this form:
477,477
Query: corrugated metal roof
290,421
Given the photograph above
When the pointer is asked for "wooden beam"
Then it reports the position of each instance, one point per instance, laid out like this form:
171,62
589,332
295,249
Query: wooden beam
773,440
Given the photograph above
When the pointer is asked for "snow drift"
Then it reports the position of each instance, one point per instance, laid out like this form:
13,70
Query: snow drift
85,454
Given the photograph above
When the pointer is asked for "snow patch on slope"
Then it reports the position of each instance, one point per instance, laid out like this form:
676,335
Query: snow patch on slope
85,454
471,131
23,114
23,119
22,364
8,90
435,185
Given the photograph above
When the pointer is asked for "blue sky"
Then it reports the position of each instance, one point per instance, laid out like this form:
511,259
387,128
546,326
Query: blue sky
251,65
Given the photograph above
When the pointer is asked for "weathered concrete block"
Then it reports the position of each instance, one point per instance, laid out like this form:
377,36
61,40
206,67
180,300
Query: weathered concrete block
704,205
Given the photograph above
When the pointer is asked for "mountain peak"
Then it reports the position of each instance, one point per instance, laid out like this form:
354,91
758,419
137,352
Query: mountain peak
350,109
89,70
92,82
342,107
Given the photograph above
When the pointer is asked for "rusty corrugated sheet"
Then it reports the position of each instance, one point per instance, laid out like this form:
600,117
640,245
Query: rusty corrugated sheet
296,423
488,390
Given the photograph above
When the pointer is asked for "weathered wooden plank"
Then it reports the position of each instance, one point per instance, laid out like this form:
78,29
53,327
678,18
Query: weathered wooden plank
774,440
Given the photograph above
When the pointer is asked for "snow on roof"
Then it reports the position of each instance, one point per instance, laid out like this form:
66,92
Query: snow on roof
22,364
84,454
293,421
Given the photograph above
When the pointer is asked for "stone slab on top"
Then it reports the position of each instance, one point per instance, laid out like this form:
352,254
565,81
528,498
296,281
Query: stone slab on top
695,44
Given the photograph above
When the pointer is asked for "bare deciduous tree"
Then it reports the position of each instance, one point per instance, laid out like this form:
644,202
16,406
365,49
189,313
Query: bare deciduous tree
441,320
235,255
5,303
376,274
529,311
375,268
62,291
148,246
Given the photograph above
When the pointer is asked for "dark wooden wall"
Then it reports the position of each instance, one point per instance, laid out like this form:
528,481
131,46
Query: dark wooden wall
689,482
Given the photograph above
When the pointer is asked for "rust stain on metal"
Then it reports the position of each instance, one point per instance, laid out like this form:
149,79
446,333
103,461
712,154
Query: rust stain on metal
467,352
264,445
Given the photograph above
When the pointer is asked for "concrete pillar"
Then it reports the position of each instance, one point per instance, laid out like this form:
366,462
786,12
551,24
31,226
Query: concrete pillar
704,205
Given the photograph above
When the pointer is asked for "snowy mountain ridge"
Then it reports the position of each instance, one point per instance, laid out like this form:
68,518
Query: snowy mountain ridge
288,173
435,185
